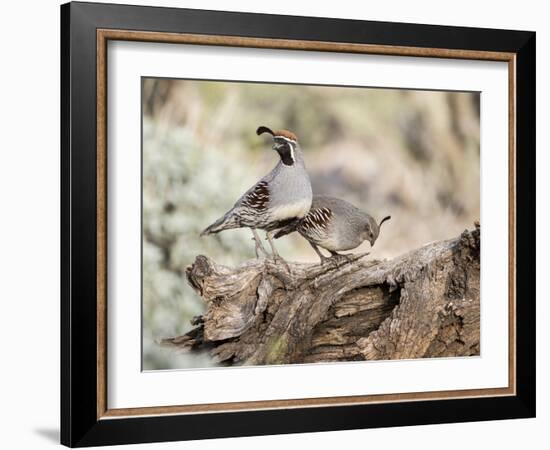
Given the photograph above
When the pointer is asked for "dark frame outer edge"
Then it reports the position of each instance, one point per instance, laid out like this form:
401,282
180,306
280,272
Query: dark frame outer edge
65,369
79,264
525,223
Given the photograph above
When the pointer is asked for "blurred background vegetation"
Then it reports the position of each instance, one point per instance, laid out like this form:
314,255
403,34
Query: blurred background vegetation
410,154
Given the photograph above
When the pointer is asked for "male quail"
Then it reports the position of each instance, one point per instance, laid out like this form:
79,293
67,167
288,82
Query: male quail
280,197
334,225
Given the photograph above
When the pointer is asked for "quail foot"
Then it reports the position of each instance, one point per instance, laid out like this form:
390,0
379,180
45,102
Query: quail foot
279,198
335,225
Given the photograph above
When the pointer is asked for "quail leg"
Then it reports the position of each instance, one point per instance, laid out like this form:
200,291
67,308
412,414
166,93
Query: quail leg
324,259
259,248
340,257
276,256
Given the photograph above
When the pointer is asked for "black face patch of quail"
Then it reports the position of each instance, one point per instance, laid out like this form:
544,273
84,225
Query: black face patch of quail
258,199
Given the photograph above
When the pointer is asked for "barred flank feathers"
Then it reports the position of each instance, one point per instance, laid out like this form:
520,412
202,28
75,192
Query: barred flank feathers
226,222
257,198
316,219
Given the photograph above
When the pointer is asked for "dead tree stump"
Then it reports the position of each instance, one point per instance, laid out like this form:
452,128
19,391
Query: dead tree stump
419,305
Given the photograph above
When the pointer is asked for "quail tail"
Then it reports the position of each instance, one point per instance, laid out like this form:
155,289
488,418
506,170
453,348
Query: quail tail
226,222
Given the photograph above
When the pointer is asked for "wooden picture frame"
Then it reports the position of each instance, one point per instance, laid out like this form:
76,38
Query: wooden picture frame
85,416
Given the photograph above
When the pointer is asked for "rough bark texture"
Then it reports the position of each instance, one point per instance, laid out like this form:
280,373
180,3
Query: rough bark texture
422,304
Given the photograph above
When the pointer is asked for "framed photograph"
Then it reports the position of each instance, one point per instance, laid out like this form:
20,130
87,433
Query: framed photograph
276,224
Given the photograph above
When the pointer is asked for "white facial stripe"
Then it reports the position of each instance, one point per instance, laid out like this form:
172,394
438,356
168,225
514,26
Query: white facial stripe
292,141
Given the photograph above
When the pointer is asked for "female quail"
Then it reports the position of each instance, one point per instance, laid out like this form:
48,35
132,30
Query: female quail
334,225
279,198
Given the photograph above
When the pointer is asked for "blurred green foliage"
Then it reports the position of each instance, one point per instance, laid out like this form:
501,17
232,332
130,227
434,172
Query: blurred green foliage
411,154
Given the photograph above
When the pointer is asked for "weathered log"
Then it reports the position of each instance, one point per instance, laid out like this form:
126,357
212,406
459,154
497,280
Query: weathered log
422,304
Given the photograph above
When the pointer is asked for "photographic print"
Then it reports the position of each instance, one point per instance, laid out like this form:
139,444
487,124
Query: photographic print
288,224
